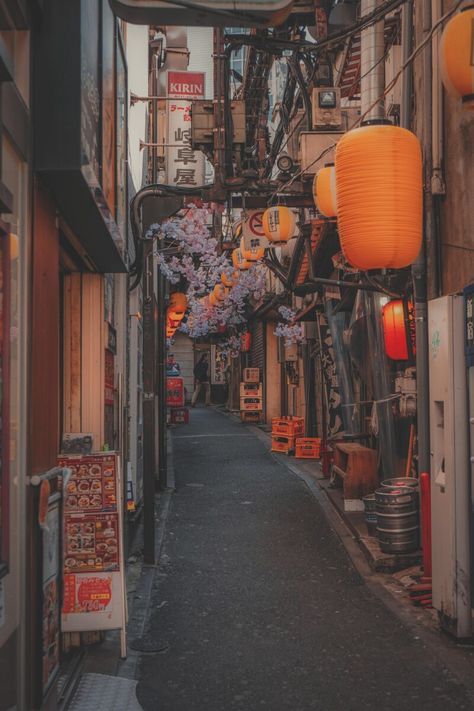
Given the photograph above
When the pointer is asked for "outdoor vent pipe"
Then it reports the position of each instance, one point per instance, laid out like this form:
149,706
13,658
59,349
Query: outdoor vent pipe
372,66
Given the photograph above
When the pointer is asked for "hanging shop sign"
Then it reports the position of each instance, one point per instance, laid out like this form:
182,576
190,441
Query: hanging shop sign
253,234
331,381
174,392
219,365
185,167
93,563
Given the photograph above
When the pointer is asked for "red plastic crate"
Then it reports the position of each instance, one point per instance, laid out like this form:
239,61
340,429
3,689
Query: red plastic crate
282,443
249,404
308,448
291,425
179,416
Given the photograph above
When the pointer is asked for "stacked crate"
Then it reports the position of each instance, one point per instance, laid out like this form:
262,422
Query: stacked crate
285,431
251,396
308,448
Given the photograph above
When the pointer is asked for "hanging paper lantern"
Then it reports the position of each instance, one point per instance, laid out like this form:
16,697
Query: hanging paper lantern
170,332
279,223
395,331
245,341
253,254
239,261
173,323
324,191
231,280
220,292
212,299
177,305
379,196
456,55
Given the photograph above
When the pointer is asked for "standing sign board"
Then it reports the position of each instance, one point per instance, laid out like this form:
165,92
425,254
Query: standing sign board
185,167
93,562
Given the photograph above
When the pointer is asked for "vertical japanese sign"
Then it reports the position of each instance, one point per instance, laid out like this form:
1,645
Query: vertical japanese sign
185,167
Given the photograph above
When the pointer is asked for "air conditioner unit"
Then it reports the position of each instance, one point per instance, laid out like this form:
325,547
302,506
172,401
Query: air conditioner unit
393,65
317,149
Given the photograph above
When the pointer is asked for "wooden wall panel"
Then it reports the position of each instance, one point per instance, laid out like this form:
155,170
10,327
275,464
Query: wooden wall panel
45,363
72,353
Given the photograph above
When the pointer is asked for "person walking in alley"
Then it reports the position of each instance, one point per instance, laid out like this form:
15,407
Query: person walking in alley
201,375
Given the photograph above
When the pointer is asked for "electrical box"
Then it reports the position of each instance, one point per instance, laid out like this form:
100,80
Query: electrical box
202,122
318,145
326,103
393,65
450,487
291,353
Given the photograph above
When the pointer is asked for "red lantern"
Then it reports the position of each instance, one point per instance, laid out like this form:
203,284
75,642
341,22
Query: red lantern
395,318
245,341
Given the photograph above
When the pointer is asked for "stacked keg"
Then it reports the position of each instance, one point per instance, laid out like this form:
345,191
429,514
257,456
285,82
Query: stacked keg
397,507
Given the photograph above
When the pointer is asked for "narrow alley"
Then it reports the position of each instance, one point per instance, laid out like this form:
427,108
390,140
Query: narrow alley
256,603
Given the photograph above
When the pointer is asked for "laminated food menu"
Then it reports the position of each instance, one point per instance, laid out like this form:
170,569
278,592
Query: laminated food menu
94,594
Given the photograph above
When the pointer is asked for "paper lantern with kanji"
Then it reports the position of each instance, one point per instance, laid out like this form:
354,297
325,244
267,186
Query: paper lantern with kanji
239,261
252,254
324,191
279,223
230,281
456,56
220,292
177,305
379,196
395,331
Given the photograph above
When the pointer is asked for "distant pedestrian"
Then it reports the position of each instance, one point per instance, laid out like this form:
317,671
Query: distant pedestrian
201,375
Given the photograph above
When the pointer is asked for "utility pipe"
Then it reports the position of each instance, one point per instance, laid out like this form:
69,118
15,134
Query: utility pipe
437,180
372,68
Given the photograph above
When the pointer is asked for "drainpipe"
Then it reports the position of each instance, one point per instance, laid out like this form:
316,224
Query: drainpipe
372,68
438,187
419,274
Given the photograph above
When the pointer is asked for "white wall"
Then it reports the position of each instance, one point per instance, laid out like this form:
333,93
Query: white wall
137,60
200,45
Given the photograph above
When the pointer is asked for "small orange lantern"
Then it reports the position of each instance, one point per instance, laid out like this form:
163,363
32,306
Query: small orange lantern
172,323
324,191
231,280
213,299
220,292
279,223
170,332
456,55
239,261
379,196
253,254
395,331
177,305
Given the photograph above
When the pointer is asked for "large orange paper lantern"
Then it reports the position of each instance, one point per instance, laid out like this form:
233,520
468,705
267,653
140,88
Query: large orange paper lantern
395,330
231,280
253,254
379,196
456,56
324,191
220,292
239,261
279,223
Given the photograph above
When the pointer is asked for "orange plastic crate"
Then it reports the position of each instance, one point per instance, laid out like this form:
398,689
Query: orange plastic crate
249,404
282,443
250,416
251,375
290,425
308,448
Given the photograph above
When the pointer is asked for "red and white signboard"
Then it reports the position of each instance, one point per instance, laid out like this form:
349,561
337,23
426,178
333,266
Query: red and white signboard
186,85
185,167
252,230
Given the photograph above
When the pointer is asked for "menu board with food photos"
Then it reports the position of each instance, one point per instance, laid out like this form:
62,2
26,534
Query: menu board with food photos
93,569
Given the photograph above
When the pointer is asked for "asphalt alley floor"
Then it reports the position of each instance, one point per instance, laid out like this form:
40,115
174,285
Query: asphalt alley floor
256,604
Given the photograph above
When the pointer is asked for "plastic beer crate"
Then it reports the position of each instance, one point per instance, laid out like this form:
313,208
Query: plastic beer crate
290,425
283,443
308,448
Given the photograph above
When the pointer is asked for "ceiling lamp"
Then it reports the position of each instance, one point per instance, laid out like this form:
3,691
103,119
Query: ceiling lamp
395,330
324,191
239,261
379,196
254,254
456,54
279,223
231,280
